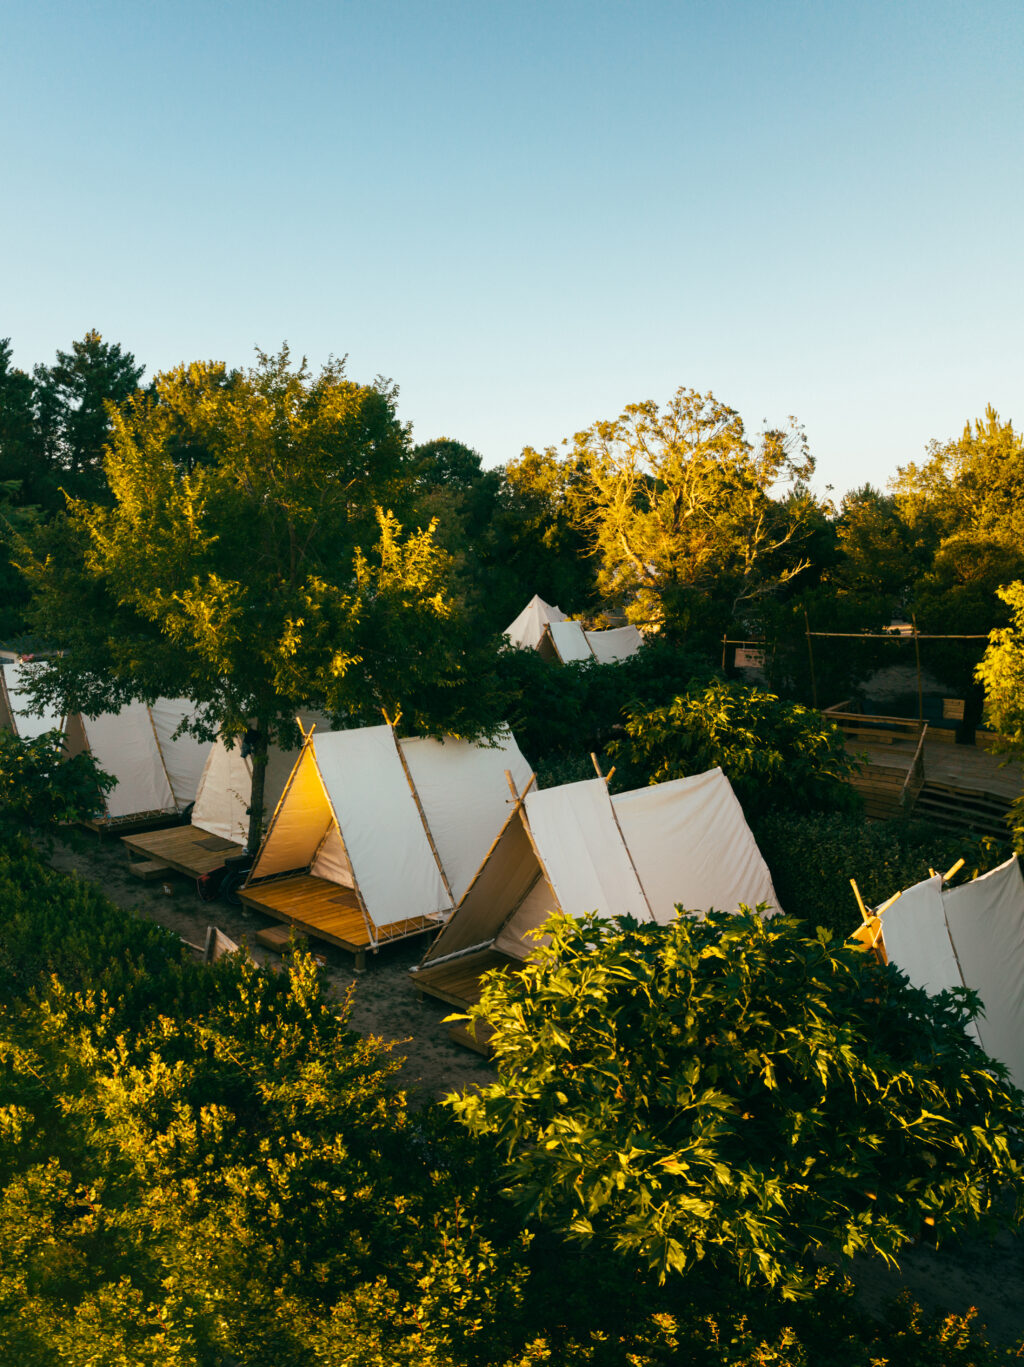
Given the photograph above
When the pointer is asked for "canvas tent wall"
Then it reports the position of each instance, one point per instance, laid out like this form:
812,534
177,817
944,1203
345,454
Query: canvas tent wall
566,641
528,628
224,792
576,849
15,715
124,744
969,936
184,756
402,824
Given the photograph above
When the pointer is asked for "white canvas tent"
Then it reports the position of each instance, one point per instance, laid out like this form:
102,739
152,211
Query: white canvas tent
224,792
528,628
566,640
14,702
402,826
124,744
577,849
184,757
970,936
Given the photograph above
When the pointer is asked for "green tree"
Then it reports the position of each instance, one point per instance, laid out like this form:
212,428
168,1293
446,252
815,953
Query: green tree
1001,673
774,753
736,1092
71,400
252,561
680,508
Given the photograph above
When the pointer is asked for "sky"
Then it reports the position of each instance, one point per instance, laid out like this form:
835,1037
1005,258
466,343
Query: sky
531,214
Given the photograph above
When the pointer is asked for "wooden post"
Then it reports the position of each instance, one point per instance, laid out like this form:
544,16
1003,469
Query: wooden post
810,656
724,644
917,656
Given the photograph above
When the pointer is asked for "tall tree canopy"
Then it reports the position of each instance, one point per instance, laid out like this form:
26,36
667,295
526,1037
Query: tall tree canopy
253,560
681,506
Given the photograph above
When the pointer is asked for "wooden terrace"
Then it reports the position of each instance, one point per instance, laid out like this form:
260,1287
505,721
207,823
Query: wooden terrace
459,982
179,849
328,911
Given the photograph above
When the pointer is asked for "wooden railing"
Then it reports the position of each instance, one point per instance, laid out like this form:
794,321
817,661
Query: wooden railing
887,788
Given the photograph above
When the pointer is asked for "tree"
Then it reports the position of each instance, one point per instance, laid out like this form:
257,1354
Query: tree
735,1091
774,753
253,561
681,508
968,485
72,398
1001,672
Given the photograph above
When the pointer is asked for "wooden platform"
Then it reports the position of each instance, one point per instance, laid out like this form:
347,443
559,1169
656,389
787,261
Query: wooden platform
458,981
328,912
185,849
122,825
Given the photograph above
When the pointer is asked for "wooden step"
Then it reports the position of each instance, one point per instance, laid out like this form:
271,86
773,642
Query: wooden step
279,938
148,870
459,1034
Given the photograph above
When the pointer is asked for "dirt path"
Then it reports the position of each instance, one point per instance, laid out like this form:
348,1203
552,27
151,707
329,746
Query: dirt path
989,1275
384,1004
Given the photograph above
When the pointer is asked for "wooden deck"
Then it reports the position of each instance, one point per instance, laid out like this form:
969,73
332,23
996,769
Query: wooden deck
185,849
328,912
959,767
457,981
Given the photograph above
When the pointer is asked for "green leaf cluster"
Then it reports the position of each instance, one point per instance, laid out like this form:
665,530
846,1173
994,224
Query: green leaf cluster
774,753
41,788
733,1091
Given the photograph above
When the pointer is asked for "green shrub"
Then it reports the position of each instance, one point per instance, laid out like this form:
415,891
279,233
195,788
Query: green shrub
813,857
774,753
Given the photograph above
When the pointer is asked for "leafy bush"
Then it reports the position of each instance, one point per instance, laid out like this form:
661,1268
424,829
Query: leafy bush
203,1165
813,857
774,753
41,788
734,1090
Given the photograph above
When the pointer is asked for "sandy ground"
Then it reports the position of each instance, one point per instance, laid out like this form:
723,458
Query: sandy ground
385,1003
986,1274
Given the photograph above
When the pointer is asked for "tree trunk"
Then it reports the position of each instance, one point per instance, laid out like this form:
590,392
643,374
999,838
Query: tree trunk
259,783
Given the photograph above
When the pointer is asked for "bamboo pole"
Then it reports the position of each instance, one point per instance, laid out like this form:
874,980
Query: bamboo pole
810,656
917,656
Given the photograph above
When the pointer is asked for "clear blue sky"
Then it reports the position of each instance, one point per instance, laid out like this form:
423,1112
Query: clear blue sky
530,214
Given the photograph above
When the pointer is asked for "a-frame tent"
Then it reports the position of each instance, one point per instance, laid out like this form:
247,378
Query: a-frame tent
125,745
15,716
218,825
576,849
528,628
968,936
566,641
376,838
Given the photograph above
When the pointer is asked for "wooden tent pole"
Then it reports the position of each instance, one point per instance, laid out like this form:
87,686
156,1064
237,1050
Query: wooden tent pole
423,818
955,869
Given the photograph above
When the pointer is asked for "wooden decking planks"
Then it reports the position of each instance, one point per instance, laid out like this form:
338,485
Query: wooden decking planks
963,768
327,911
186,849
457,981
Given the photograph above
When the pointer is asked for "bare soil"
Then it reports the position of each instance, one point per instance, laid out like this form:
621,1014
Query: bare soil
988,1275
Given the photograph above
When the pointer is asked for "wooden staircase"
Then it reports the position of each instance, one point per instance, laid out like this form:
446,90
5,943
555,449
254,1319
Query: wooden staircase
962,809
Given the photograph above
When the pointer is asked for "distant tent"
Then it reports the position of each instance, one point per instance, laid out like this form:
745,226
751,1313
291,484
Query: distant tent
528,628
124,745
15,676
970,936
566,640
402,825
577,849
